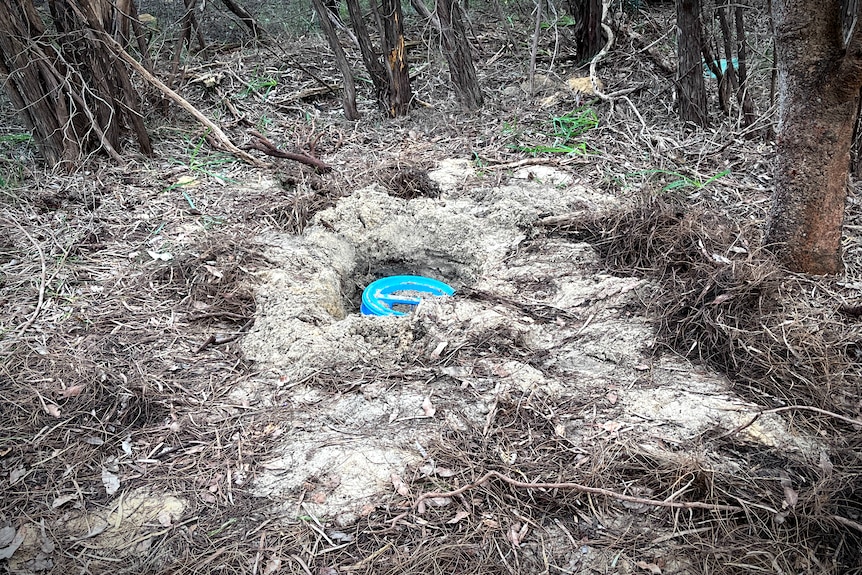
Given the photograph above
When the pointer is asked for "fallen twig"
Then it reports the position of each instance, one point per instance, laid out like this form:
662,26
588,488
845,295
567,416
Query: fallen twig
570,487
215,340
217,132
594,80
849,420
847,522
736,430
263,144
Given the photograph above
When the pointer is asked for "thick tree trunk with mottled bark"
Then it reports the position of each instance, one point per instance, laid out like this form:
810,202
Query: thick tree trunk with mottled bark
692,90
818,86
456,48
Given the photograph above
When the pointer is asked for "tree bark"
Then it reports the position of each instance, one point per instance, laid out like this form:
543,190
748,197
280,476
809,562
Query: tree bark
422,10
68,86
589,39
818,87
400,93
727,85
245,16
370,58
692,90
743,94
456,48
349,100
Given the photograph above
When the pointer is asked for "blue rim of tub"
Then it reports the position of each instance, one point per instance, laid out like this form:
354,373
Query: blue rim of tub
379,297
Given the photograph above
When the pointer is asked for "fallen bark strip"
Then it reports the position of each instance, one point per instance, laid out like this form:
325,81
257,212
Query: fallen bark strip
262,144
569,486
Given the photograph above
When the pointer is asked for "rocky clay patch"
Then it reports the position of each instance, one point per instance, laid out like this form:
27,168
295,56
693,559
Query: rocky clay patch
533,321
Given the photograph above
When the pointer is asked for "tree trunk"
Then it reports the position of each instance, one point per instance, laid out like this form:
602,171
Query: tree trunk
692,90
818,87
69,88
245,16
370,58
400,93
456,48
422,10
589,39
743,94
349,101
727,85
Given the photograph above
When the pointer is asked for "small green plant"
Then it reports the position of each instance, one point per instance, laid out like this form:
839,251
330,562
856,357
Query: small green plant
264,123
563,21
261,85
478,161
566,130
509,129
12,139
197,163
680,181
479,164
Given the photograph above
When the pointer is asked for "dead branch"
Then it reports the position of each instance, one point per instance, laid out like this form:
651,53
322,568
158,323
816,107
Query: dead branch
262,144
594,80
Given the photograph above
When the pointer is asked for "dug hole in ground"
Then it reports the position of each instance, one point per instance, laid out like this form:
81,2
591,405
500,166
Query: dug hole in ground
532,325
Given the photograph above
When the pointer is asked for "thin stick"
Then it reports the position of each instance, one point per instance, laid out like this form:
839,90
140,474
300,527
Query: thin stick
736,430
847,522
264,145
572,487
594,62
594,79
849,420
535,47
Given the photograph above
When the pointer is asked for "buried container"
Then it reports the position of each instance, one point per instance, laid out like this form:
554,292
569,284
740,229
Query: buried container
381,296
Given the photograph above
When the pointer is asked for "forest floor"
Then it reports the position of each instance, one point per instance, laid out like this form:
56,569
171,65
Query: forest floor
622,383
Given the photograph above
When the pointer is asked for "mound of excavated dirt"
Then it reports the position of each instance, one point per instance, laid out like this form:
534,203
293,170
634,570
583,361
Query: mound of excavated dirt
363,396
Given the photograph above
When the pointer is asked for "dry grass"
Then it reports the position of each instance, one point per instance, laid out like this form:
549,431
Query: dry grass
725,302
783,340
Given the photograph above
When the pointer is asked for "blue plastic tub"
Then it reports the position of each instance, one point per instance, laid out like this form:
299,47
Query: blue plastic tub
379,297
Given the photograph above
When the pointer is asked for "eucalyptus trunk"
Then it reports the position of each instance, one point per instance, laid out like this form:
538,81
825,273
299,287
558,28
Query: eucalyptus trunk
819,78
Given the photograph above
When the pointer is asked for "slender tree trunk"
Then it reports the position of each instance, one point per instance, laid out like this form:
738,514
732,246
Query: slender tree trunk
245,16
743,94
372,61
727,85
534,47
456,48
422,10
692,90
400,93
349,100
818,87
